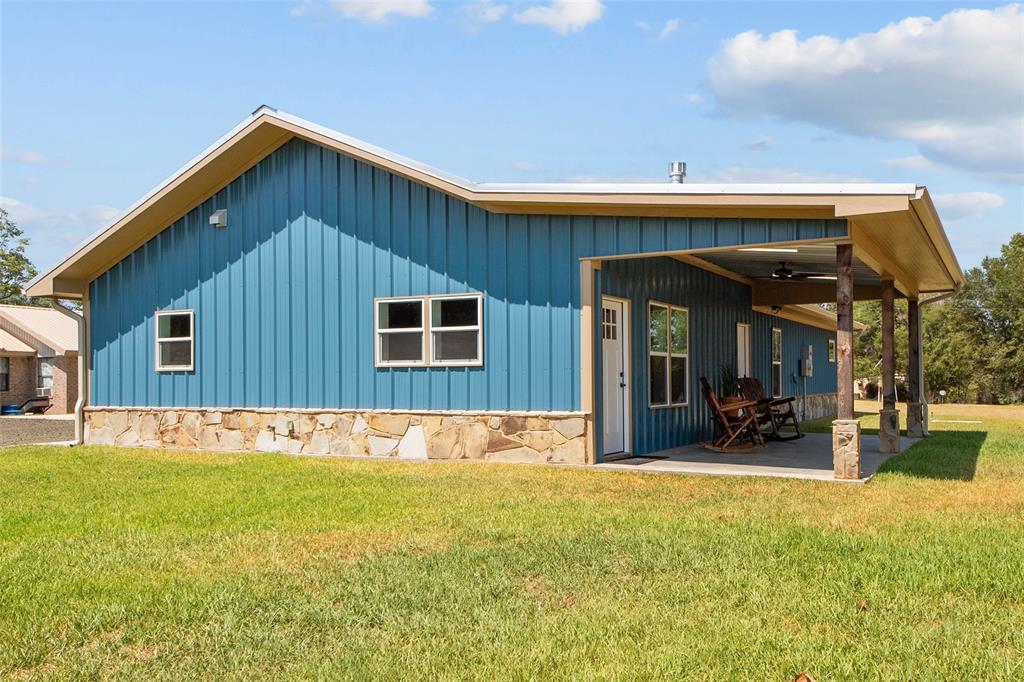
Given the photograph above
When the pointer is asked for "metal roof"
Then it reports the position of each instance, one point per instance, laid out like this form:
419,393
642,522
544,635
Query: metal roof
54,329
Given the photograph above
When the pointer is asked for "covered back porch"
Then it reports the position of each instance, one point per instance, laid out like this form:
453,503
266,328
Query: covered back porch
756,308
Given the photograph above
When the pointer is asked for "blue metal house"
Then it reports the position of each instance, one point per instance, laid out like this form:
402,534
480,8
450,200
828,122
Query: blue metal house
293,289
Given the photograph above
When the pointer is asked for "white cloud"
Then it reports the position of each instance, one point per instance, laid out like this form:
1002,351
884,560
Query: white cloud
960,205
948,85
524,166
759,143
642,25
563,16
52,231
370,11
694,97
913,162
670,27
484,12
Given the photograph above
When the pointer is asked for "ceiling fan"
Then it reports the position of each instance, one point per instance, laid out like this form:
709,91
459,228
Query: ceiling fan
786,274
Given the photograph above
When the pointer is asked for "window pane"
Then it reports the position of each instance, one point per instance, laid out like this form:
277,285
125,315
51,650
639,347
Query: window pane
659,392
400,314
401,347
659,328
679,331
776,345
171,326
455,346
678,382
458,312
45,374
175,353
776,379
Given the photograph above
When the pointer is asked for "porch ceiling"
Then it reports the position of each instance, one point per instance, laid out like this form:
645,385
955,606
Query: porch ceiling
817,258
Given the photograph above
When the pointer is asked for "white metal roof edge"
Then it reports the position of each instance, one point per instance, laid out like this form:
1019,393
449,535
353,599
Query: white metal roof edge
592,188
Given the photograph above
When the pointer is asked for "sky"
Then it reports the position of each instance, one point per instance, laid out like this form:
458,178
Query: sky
99,102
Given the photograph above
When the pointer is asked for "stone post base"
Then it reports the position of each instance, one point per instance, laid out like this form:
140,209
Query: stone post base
846,448
916,420
889,431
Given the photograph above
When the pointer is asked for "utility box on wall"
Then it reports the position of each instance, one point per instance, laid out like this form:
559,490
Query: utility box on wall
807,362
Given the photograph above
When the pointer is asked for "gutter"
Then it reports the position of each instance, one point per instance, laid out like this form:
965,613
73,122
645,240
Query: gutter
80,403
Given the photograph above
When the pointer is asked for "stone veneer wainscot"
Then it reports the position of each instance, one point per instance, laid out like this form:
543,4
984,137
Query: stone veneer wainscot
557,438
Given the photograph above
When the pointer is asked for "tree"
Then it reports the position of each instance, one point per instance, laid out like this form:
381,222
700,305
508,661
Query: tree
15,267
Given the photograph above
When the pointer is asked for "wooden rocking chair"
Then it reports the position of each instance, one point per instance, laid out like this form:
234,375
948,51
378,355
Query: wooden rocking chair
774,413
736,431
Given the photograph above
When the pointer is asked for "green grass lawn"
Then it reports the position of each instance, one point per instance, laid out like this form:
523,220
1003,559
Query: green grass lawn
131,563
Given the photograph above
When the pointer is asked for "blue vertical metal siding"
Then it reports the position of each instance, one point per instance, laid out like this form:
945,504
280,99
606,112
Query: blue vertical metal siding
716,305
283,295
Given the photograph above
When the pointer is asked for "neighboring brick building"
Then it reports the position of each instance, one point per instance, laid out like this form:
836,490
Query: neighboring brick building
38,358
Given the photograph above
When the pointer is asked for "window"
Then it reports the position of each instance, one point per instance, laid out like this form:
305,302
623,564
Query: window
831,350
44,376
668,355
776,362
400,332
175,340
5,374
455,337
444,331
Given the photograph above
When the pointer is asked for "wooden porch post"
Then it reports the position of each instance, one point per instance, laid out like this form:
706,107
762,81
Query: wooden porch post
845,429
916,420
889,416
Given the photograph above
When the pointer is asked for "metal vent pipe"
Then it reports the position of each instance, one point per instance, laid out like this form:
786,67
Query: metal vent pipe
677,172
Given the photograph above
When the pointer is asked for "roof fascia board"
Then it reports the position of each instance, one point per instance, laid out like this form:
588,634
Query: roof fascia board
929,221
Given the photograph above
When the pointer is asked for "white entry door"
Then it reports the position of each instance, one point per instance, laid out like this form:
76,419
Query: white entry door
743,367
615,374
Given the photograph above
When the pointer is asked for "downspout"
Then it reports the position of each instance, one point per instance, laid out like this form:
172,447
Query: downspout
80,403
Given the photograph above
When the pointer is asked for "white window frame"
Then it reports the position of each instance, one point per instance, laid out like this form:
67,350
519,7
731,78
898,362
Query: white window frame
776,330
427,331
832,350
478,328
191,338
378,333
668,355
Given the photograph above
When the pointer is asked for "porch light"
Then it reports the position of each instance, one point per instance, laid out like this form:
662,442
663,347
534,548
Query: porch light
831,277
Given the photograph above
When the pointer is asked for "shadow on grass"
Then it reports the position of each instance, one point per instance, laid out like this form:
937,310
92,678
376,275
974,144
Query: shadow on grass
947,455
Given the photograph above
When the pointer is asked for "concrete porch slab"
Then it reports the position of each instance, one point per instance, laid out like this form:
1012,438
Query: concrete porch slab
808,458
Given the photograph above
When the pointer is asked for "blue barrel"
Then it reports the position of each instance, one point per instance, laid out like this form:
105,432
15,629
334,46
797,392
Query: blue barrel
9,409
